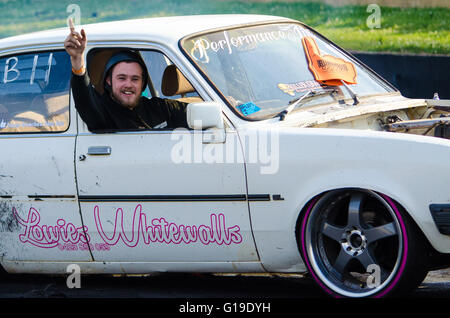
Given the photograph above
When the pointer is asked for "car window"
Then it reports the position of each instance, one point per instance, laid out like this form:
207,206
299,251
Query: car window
34,92
261,69
165,81
157,63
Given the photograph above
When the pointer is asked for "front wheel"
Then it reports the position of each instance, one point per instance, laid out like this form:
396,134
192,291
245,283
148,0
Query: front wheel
358,243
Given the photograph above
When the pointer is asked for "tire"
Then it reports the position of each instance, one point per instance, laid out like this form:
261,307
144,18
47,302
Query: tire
358,243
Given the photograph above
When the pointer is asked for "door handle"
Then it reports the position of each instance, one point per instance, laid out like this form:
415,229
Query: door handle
99,151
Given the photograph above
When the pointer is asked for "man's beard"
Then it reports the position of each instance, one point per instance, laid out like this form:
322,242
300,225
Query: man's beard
129,105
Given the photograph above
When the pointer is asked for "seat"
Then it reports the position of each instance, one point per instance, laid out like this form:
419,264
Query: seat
174,83
96,61
48,112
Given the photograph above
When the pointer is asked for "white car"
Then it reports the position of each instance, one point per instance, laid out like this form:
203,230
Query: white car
298,158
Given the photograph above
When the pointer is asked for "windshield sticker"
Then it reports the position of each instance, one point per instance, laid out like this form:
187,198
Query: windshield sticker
248,108
243,41
327,69
299,87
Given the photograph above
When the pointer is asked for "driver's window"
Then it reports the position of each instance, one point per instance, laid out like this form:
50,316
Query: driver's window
168,81
167,88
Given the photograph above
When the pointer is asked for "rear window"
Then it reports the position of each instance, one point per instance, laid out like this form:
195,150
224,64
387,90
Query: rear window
34,92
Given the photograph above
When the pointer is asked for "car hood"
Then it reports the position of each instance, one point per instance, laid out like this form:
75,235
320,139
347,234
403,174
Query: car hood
389,112
319,115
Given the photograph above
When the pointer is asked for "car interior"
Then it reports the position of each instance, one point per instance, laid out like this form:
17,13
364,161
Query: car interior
174,84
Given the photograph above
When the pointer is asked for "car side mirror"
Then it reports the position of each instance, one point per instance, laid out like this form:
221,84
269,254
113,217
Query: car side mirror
204,115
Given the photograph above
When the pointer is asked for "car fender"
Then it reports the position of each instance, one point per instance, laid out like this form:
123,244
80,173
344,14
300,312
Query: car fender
314,160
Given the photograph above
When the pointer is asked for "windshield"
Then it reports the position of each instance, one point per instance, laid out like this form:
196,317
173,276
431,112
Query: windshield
261,69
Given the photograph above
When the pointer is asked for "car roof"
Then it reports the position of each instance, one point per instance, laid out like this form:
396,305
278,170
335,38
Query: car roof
166,30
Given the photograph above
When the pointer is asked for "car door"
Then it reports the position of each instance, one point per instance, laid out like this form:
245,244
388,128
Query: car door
163,195
39,213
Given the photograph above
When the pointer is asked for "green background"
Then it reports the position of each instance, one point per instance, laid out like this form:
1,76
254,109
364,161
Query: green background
412,30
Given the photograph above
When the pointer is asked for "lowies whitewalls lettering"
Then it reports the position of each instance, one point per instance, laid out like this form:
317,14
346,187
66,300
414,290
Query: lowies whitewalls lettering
49,236
160,230
66,236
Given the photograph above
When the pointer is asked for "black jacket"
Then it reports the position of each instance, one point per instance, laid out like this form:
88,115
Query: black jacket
101,112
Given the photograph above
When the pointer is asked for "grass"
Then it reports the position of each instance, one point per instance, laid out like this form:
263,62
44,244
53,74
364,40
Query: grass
412,30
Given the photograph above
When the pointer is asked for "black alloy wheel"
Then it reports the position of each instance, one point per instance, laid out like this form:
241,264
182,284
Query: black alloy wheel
356,243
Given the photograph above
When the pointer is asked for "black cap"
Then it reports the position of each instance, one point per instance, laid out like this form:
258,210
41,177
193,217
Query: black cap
124,56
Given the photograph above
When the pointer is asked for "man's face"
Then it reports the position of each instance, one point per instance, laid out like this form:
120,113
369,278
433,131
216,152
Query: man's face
126,82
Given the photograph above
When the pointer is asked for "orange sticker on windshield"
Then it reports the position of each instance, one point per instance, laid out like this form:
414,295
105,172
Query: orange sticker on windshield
327,69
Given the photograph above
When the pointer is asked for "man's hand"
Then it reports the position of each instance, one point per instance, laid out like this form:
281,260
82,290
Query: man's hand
75,44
